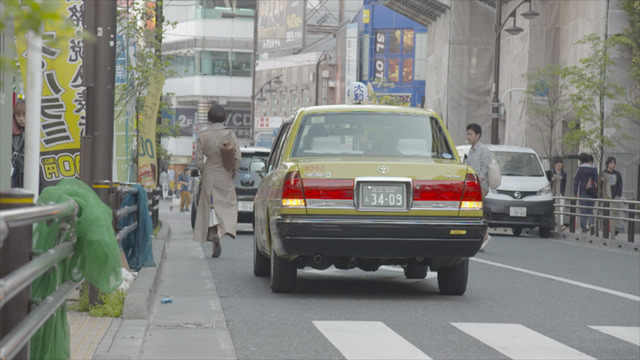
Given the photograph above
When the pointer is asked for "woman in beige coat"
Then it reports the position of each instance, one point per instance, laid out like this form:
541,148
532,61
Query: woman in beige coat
217,181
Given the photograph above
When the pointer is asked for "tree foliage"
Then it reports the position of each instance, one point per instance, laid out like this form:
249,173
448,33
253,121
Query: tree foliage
629,40
591,80
545,83
143,33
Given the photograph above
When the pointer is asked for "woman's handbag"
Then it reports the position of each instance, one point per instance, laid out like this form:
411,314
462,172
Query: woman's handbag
228,151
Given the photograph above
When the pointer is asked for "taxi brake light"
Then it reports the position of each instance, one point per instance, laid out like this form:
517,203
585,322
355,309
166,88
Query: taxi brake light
292,192
472,196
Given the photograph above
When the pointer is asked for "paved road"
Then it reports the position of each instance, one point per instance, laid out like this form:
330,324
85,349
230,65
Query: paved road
528,298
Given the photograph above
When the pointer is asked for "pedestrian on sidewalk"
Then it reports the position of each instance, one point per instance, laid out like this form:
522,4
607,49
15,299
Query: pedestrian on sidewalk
218,191
17,144
478,159
585,175
184,184
164,183
612,189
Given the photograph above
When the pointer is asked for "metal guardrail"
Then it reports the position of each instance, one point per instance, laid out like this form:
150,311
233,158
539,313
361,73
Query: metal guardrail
15,227
627,212
21,278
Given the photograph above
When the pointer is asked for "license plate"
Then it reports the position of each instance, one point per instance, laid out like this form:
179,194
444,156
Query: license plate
386,196
245,206
518,211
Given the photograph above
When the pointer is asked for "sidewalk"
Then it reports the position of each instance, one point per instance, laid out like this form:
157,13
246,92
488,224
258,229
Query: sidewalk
192,326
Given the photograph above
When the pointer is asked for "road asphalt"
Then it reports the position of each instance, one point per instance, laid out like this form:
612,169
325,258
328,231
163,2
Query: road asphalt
192,325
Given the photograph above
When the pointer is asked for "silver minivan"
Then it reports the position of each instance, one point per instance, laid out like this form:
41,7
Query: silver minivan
523,199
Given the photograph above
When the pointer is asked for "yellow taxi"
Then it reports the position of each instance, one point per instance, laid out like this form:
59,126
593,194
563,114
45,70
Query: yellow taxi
360,186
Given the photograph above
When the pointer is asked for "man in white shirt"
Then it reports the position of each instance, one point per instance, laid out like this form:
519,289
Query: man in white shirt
478,159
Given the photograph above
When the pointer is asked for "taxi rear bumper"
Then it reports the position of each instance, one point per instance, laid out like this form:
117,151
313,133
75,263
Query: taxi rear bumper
380,237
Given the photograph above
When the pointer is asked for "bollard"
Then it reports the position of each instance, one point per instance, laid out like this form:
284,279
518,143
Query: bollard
631,229
572,217
606,222
15,251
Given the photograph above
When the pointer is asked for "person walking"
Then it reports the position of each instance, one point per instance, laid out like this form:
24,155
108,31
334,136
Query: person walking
612,188
184,185
478,159
585,178
164,183
17,144
218,191
558,186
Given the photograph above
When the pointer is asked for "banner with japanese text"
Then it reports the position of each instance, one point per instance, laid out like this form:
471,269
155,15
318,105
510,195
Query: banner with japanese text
62,114
147,159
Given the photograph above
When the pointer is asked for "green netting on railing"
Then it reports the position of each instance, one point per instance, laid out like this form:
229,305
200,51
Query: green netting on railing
96,258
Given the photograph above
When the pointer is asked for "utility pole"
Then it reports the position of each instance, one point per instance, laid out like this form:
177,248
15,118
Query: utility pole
96,148
99,79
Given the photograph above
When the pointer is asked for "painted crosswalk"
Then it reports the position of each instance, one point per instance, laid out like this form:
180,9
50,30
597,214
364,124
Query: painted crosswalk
375,340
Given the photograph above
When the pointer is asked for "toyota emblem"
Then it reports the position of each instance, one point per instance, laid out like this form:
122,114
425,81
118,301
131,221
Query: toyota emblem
383,169
517,195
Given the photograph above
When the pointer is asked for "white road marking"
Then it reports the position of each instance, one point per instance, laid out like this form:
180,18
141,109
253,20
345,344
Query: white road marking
518,342
368,340
567,281
626,333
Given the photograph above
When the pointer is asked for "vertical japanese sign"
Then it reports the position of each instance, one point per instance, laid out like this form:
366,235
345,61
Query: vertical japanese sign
351,63
147,159
62,116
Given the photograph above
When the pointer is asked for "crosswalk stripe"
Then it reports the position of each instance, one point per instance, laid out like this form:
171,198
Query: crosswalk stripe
518,342
368,340
626,333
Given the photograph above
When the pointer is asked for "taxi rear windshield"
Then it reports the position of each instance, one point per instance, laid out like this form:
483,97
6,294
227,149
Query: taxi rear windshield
371,134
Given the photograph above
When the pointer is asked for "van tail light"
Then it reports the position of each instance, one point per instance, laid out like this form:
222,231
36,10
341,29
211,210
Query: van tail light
292,191
472,196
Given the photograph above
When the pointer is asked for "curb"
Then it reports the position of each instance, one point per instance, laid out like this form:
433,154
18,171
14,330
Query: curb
129,337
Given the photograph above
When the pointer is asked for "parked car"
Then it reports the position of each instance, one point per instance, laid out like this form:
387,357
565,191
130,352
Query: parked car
250,173
523,199
364,186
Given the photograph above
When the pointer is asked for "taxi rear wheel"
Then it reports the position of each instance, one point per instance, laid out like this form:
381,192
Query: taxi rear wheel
452,280
415,270
545,232
261,265
517,231
283,274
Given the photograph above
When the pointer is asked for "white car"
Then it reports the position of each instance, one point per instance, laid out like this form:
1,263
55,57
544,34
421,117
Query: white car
523,199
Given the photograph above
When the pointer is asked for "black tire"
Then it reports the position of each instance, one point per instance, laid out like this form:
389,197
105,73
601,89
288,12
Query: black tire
261,263
517,231
452,280
283,274
414,270
545,232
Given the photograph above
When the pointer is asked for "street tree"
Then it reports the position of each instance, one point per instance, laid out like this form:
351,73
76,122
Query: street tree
143,28
548,101
593,127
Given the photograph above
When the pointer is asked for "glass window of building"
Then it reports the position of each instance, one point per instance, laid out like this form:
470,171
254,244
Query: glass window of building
215,63
183,65
294,100
241,64
283,101
305,98
274,100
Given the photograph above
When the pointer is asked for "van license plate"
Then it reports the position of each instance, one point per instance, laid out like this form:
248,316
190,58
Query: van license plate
518,211
245,206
